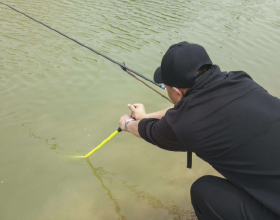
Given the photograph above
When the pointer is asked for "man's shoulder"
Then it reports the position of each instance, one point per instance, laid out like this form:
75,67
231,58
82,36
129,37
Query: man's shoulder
239,74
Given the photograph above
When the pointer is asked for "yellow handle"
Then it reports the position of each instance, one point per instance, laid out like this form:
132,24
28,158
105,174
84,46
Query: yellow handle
102,144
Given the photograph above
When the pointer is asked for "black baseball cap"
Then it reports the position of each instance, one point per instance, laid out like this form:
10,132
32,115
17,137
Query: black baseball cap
180,64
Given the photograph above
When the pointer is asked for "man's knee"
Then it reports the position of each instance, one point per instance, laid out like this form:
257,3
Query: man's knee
204,195
200,188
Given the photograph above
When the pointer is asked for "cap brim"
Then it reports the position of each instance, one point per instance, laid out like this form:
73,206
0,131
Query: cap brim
157,75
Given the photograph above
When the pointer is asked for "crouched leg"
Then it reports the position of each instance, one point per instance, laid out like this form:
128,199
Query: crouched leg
217,198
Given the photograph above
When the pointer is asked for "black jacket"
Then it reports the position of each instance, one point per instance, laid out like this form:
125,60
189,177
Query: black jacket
232,123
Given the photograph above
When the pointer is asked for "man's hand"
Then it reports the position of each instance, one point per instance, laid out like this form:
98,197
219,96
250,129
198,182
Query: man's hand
123,120
137,111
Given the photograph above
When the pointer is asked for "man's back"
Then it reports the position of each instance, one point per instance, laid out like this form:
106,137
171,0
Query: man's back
229,121
234,124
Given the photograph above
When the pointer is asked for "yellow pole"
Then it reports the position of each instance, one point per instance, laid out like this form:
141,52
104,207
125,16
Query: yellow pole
102,144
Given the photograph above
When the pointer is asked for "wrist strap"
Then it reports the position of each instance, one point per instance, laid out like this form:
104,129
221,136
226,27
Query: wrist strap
127,121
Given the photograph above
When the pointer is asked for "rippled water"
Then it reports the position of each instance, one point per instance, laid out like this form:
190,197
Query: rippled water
59,99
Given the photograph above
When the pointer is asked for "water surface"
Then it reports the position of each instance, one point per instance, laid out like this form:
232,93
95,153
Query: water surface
59,99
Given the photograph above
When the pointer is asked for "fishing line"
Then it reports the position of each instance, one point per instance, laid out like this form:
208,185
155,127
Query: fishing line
123,66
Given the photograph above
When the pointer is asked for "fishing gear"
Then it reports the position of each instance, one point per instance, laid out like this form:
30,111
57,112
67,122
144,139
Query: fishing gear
123,66
102,144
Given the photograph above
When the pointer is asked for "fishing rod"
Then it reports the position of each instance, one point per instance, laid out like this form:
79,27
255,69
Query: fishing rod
123,66
101,145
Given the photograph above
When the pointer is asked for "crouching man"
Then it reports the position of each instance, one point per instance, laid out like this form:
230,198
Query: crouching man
226,119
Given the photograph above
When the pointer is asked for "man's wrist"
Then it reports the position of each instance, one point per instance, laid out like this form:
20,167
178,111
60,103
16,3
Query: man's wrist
127,121
146,116
143,116
133,127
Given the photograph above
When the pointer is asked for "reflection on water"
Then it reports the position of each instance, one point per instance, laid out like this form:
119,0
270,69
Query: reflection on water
153,202
113,199
53,146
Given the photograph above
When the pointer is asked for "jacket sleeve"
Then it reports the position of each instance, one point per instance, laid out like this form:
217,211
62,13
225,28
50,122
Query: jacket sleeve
160,133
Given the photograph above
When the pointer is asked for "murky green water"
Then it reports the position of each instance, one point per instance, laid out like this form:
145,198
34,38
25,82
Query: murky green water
59,99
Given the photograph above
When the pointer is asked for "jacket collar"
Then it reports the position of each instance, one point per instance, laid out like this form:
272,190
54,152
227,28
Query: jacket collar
208,78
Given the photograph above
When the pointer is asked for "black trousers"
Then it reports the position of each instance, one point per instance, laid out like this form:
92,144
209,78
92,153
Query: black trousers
214,198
